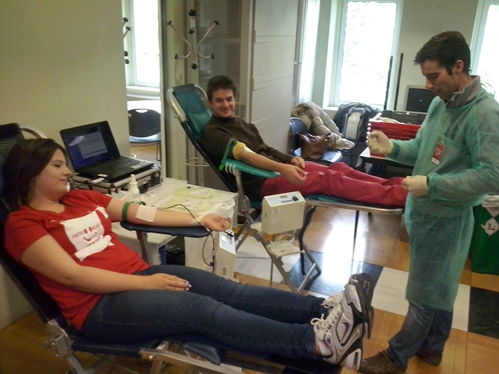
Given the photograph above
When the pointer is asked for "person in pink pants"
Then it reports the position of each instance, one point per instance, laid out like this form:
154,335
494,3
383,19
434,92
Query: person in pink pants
340,180
227,133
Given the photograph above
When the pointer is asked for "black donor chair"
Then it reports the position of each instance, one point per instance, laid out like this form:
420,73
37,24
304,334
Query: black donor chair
144,126
191,353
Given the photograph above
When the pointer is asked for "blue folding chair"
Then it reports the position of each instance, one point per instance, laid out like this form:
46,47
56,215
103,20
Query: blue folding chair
297,126
201,354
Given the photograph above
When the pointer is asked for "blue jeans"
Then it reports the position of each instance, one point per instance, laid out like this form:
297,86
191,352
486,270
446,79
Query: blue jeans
243,317
424,327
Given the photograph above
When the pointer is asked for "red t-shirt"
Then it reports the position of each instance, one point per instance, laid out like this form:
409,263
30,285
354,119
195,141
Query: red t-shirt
84,231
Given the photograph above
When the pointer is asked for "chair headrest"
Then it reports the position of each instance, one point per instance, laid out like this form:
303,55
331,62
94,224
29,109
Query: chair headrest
10,135
199,121
188,96
297,125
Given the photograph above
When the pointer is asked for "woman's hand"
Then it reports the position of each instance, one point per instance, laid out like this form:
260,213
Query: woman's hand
216,222
162,281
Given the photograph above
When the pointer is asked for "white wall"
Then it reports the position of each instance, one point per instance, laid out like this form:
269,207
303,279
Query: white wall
175,138
422,19
61,65
271,79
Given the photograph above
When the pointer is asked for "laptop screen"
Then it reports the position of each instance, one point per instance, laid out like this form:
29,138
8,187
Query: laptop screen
91,144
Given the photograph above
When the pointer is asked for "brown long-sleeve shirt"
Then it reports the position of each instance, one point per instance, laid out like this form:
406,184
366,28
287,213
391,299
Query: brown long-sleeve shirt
217,134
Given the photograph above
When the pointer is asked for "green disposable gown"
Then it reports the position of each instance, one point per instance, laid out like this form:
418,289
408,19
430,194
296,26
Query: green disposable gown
440,224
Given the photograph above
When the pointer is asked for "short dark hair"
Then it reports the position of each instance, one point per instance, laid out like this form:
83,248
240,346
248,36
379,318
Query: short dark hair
220,82
446,48
25,161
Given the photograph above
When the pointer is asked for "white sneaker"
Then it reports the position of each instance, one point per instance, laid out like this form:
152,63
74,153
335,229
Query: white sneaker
364,285
332,301
343,329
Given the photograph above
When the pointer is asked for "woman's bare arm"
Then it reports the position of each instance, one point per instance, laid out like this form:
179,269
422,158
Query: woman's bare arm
46,257
167,217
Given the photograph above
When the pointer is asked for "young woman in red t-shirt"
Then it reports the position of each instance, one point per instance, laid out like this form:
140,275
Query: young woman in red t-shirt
109,293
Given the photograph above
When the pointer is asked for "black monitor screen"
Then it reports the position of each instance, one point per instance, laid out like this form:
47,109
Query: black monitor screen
418,99
89,144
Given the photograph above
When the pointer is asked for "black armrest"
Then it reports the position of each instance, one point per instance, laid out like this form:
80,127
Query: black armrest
188,231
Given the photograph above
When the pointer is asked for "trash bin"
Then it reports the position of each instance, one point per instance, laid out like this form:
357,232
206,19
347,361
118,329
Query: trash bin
484,249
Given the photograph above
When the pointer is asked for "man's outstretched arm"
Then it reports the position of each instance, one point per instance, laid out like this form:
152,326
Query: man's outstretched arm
292,172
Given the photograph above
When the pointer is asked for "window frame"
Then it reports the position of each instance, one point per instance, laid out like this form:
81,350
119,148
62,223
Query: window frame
129,46
335,65
478,36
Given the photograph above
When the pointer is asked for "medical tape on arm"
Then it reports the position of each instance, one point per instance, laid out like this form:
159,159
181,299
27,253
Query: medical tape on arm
235,149
146,213
238,148
197,221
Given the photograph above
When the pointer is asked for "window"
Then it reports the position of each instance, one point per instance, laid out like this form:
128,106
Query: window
368,37
308,43
142,43
485,54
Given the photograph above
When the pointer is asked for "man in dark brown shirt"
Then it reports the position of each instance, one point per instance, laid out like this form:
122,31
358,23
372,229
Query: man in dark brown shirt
308,178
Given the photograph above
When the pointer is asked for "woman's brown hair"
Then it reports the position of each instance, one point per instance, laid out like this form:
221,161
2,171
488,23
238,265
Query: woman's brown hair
25,161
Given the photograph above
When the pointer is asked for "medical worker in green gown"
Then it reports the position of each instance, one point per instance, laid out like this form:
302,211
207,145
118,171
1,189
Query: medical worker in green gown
456,163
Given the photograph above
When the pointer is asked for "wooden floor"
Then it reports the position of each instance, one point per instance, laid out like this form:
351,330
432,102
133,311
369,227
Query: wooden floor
21,343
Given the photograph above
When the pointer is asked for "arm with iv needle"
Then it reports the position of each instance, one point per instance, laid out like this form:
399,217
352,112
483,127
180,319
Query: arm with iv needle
120,210
244,143
48,249
293,172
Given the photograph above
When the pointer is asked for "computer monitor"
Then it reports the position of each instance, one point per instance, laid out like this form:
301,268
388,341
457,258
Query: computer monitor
418,99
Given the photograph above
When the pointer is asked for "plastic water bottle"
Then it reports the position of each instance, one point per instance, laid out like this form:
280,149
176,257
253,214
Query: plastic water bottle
133,189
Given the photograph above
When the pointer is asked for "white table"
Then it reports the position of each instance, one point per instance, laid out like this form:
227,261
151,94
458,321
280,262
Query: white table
199,200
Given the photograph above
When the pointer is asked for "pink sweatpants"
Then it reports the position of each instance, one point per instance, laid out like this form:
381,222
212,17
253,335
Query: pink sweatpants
340,180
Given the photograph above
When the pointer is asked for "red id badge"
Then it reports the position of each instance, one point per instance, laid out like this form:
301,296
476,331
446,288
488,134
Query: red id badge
437,154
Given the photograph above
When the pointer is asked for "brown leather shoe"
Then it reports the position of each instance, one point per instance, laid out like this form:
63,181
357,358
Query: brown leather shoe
433,359
381,364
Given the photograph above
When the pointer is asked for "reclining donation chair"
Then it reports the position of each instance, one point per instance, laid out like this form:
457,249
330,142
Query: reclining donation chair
199,353
189,107
189,103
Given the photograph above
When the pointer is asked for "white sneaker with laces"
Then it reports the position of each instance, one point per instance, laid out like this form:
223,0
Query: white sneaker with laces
332,301
342,330
364,285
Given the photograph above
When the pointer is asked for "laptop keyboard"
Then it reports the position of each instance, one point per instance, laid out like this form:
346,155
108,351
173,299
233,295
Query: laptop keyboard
117,165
